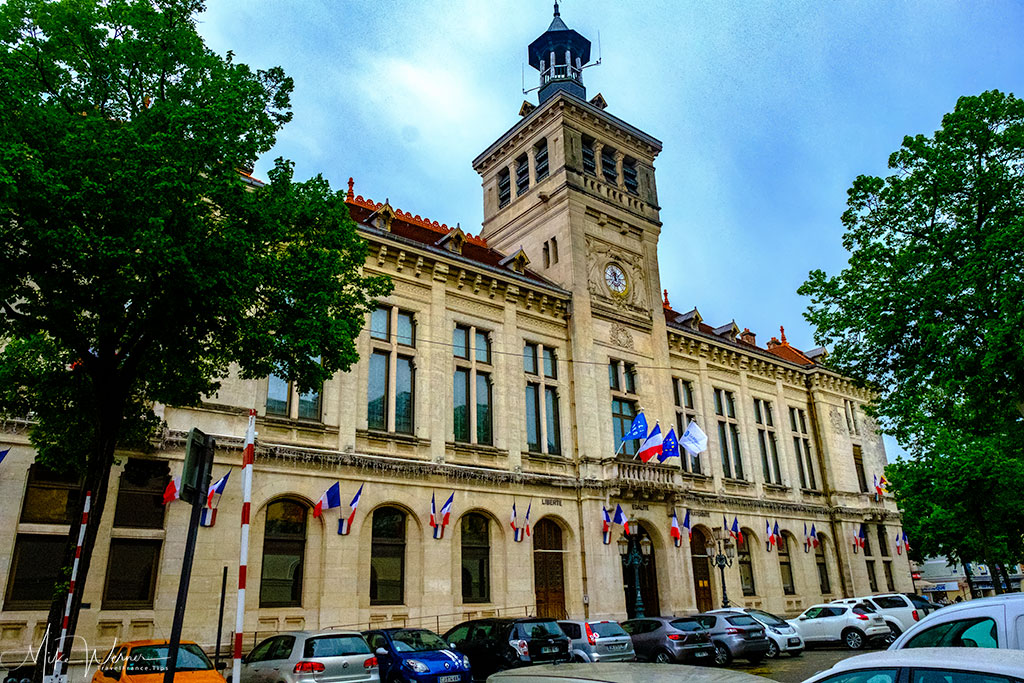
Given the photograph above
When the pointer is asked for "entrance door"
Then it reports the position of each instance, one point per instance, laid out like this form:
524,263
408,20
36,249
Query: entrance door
648,574
548,572
701,571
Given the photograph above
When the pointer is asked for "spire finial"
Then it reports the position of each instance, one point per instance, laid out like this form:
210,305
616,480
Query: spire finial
782,331
665,304
351,182
556,9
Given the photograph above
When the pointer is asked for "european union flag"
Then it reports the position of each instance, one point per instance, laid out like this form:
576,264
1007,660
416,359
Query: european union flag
637,430
669,446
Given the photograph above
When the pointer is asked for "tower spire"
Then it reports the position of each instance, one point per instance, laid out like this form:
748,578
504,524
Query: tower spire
559,54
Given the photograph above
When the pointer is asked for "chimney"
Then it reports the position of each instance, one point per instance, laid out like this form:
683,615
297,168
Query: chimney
748,337
773,342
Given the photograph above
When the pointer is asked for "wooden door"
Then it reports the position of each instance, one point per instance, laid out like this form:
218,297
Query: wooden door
548,570
648,574
701,572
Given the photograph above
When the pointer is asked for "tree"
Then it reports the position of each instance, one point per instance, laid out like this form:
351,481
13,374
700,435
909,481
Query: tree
931,305
137,264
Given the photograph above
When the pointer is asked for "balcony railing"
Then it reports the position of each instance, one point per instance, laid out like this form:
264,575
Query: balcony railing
561,72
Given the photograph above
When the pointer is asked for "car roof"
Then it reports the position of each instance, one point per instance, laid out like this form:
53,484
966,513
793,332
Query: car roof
315,634
625,672
985,660
147,643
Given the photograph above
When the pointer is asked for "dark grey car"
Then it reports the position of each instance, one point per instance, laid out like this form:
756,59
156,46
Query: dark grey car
735,635
598,641
670,639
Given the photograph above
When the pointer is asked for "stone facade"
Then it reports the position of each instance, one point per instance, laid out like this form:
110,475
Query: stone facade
572,224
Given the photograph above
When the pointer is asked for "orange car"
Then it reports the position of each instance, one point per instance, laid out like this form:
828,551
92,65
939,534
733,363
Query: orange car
145,661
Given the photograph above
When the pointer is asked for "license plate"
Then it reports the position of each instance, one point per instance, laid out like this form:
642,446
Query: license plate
548,650
794,641
617,646
449,679
700,654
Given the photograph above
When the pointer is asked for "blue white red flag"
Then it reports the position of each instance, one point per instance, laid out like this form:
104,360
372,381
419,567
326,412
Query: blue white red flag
859,538
440,520
517,533
208,515
807,539
606,526
173,490
651,446
769,540
735,532
899,544
686,525
330,499
878,488
620,519
694,439
345,523
906,543
775,534
433,518
814,537
526,527
670,446
674,531
637,430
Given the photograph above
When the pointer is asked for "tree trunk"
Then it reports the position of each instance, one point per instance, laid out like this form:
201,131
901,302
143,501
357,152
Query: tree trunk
109,415
970,580
1004,577
997,585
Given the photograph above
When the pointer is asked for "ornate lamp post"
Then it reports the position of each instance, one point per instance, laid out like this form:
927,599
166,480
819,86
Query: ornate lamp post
634,552
721,551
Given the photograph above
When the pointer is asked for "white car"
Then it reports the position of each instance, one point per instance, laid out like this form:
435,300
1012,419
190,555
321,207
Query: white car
996,622
897,610
852,625
782,636
927,665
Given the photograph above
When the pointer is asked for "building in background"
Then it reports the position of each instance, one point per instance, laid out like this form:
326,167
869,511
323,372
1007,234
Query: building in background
504,368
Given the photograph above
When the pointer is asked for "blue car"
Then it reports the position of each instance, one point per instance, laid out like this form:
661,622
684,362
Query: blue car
416,655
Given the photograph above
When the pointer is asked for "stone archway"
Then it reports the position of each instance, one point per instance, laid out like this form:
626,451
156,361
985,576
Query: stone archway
648,575
701,571
549,569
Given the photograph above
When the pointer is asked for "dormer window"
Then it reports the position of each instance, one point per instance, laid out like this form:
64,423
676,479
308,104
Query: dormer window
504,188
382,217
611,174
522,175
540,159
589,162
516,262
629,175
453,241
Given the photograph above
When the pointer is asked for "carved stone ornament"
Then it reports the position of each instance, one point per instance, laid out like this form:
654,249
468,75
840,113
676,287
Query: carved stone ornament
620,336
837,420
603,256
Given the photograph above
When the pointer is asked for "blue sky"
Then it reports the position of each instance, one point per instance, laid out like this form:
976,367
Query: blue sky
767,110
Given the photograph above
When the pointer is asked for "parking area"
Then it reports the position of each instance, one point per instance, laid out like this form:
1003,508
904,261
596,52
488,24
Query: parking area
786,669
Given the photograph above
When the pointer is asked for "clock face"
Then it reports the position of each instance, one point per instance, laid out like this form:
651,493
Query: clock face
615,278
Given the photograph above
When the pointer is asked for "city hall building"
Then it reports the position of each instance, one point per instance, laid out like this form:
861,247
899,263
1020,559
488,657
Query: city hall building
502,371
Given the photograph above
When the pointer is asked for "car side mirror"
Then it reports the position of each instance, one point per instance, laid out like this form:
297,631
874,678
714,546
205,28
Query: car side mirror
804,617
453,646
381,652
221,666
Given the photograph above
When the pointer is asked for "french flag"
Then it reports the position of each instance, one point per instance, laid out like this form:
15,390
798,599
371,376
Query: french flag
735,531
606,526
208,515
814,537
173,490
345,523
686,525
906,543
652,446
899,544
439,522
620,519
807,539
527,528
859,538
775,533
670,446
769,538
330,499
676,534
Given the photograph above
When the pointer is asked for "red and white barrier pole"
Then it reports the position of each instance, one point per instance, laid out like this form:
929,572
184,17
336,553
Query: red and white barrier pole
248,458
58,663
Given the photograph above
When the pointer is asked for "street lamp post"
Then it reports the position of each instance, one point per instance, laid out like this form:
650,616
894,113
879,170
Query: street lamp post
634,552
721,552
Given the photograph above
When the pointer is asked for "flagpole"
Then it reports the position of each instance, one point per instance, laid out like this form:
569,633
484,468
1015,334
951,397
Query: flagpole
248,458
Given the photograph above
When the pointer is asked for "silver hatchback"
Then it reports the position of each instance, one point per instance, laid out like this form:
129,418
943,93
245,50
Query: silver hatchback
311,657
598,641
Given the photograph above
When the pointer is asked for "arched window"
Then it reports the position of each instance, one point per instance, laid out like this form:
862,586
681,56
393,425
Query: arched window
284,550
387,557
822,562
746,565
785,566
476,558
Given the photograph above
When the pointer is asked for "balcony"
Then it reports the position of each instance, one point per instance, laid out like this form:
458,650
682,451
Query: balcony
637,475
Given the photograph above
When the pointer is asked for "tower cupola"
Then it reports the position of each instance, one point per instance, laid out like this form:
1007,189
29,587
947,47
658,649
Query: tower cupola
559,55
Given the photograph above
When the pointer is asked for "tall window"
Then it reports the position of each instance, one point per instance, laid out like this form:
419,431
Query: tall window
132,565
820,558
608,169
883,542
472,385
134,561
745,563
284,553
785,565
543,426
589,156
387,557
35,568
504,188
765,418
629,178
685,412
890,585
872,579
392,372
728,434
140,494
622,382
476,558
858,464
802,448
851,417
522,175
284,396
540,159
51,497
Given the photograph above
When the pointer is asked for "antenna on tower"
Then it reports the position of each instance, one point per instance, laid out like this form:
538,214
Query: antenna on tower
598,62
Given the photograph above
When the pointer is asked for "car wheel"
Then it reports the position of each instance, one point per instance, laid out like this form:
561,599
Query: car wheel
577,658
894,633
773,650
853,639
722,655
663,657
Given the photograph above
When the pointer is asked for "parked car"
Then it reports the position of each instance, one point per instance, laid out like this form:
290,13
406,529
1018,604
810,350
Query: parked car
852,625
927,665
139,660
621,672
414,655
735,635
500,643
924,605
896,609
598,641
985,622
670,639
782,637
311,656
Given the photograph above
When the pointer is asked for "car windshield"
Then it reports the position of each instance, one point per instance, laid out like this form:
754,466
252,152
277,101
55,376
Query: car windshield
606,629
152,659
540,629
335,646
416,640
742,620
867,608
687,624
767,618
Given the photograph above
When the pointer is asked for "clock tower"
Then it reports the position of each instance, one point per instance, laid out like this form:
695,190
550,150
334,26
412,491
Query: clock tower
574,186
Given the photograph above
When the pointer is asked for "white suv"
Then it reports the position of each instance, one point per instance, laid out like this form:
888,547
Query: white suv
782,637
852,625
985,622
895,608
